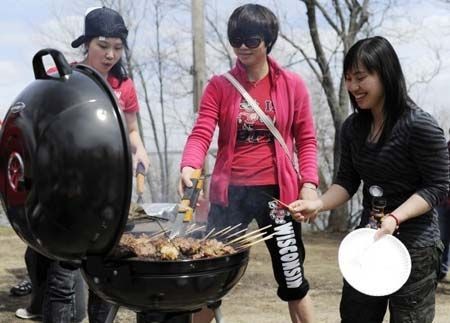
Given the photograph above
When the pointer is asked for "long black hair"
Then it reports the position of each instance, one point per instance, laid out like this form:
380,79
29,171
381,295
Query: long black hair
254,19
377,55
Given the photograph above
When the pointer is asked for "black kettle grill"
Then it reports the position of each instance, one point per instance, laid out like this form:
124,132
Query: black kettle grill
66,184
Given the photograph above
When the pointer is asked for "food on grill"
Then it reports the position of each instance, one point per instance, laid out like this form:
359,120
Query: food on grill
144,246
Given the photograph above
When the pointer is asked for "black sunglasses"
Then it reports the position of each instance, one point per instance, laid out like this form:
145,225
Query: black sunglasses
249,42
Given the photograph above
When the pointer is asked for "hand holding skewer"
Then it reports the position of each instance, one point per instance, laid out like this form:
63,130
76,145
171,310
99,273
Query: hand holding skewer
296,214
306,209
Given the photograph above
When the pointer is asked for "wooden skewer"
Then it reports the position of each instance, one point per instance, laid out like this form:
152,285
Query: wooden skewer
157,235
232,228
308,220
219,232
236,233
282,204
255,242
228,230
250,238
191,227
197,229
210,232
248,234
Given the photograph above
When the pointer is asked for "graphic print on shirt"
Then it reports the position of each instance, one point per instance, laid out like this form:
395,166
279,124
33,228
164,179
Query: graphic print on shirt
250,127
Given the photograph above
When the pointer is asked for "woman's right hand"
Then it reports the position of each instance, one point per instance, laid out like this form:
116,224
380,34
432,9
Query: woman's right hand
185,179
308,209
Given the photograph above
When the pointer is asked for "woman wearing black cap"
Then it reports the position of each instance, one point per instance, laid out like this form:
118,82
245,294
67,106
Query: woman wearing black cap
104,40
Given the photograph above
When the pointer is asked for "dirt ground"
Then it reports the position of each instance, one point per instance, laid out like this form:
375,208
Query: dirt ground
253,300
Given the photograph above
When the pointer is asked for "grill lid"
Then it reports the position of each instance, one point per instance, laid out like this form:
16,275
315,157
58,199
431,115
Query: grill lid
65,166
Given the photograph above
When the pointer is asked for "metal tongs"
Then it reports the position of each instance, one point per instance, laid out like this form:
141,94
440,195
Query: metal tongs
187,205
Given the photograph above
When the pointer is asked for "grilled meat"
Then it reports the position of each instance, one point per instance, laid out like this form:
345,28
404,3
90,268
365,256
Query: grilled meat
144,246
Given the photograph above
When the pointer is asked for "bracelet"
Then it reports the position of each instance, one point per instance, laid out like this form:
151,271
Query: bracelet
396,220
313,187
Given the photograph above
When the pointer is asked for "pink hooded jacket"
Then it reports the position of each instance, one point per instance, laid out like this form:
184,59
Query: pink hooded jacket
220,105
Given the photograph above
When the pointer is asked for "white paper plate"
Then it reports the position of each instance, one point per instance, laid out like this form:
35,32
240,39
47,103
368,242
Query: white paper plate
375,268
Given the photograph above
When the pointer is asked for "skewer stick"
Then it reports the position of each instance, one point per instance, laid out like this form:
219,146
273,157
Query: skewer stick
236,233
282,203
227,230
308,220
219,232
250,238
232,228
248,234
197,229
255,242
155,234
191,227
210,232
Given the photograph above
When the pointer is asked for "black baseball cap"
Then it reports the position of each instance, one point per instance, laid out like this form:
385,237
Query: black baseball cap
104,22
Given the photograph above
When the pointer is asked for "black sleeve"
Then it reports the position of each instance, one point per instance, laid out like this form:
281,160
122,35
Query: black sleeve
347,176
429,150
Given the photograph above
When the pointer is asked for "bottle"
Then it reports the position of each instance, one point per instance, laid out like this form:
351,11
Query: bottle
378,205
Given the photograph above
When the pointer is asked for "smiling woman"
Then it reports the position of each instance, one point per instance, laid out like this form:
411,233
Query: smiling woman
389,142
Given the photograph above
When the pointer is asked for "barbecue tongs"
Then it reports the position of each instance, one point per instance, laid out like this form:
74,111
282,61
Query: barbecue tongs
187,205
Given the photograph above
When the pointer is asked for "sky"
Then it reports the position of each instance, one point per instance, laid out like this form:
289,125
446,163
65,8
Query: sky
426,25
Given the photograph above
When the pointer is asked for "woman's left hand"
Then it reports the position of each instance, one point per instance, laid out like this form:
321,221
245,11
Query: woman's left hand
388,226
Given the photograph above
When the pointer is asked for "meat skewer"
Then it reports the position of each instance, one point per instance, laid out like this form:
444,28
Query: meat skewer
249,238
220,233
255,242
248,234
210,232
237,233
196,229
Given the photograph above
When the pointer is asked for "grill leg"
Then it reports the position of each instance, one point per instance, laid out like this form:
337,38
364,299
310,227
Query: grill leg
112,314
218,315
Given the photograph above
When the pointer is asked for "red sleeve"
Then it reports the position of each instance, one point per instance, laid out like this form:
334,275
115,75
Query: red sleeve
305,134
198,142
128,98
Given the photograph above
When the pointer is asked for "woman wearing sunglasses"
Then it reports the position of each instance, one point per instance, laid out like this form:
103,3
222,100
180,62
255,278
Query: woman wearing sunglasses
252,169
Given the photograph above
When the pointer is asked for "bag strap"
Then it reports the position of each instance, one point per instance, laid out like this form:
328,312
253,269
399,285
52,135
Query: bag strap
262,116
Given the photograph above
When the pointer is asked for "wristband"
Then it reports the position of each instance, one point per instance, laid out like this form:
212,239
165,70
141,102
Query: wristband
396,220
310,186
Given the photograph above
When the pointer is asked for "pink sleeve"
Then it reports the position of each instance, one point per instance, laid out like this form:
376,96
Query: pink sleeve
305,136
198,142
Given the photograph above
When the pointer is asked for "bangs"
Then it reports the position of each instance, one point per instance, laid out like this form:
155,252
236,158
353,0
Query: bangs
247,27
361,56
253,20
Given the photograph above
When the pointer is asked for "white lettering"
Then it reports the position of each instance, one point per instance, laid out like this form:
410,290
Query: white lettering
294,284
284,229
291,265
289,255
286,237
288,249
285,243
293,272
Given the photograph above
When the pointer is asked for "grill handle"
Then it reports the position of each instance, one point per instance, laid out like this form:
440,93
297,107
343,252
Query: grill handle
63,67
